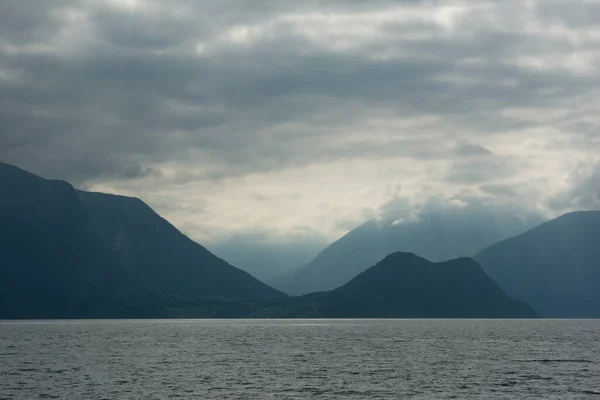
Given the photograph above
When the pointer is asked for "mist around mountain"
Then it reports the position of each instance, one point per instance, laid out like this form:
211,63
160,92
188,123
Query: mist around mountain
404,285
436,235
555,267
66,253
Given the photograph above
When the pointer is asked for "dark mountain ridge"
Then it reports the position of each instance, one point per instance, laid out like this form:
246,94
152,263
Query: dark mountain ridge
404,285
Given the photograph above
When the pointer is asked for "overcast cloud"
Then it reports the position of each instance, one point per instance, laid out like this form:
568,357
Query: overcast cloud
295,120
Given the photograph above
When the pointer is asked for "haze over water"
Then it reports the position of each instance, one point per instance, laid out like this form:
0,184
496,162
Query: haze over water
296,359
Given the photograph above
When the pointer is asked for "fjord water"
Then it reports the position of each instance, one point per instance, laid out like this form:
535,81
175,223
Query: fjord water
297,359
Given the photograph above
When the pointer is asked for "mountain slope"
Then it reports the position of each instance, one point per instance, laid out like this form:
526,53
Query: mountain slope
68,253
555,267
404,285
163,258
436,237
49,259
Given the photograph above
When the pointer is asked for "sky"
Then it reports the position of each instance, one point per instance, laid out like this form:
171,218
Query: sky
295,121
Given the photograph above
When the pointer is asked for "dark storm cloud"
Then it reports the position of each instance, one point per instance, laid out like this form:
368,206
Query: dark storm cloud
133,86
29,20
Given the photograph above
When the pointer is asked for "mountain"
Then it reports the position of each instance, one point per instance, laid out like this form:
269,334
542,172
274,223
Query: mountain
435,236
404,285
66,253
555,266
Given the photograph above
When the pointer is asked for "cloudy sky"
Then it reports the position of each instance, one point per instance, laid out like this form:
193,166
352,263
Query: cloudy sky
298,120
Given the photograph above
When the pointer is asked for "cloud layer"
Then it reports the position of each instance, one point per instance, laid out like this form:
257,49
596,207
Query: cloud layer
303,120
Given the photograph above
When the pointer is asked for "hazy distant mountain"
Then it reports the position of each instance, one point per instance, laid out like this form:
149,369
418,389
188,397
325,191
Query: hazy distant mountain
404,285
555,267
265,260
68,253
437,237
283,280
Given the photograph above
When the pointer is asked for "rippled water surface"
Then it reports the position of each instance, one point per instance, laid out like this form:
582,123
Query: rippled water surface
297,359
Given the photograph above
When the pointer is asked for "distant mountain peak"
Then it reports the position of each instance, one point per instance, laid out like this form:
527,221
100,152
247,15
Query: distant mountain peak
403,256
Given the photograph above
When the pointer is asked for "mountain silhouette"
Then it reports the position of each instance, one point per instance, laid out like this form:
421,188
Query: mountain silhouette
66,253
404,285
555,266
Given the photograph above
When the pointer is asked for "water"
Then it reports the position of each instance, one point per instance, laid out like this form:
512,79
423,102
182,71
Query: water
298,359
